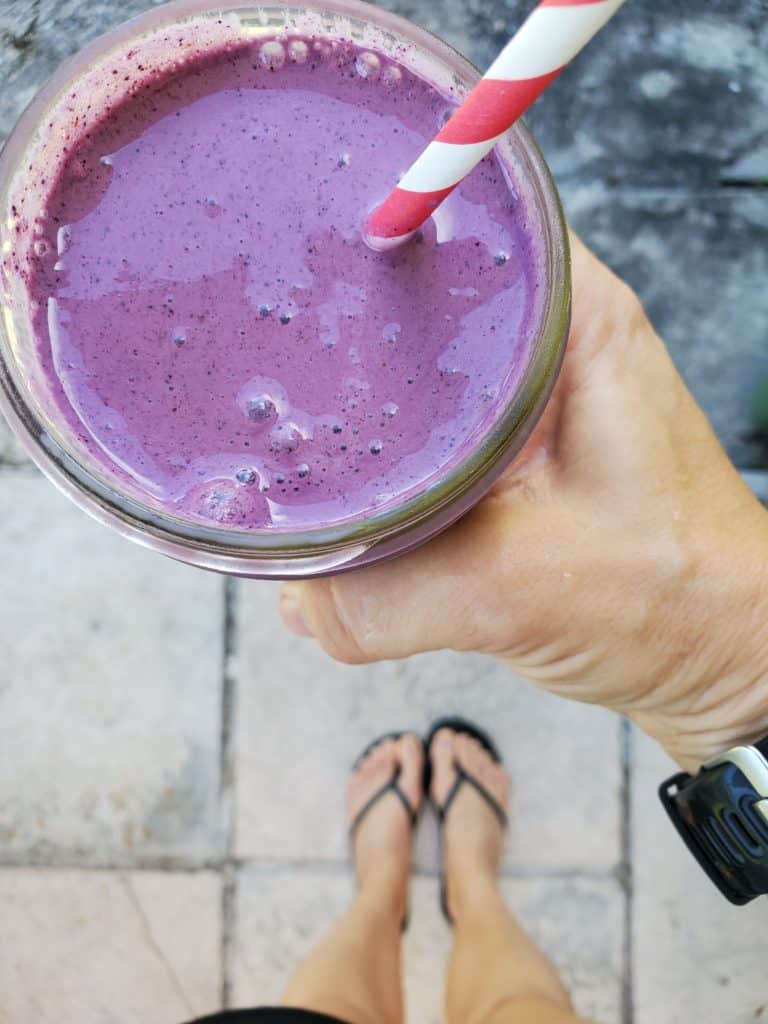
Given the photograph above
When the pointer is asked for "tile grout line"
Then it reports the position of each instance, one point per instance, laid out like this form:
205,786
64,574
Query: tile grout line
270,865
227,793
228,911
268,868
626,872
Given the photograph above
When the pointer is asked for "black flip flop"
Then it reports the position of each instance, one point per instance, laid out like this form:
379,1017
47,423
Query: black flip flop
389,787
463,728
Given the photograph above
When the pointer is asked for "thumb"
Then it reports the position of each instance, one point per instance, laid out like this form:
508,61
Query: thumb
433,597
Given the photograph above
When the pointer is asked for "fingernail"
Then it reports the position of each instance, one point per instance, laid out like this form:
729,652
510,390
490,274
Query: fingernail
290,609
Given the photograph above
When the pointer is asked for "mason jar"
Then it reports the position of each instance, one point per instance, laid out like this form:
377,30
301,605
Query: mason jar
74,96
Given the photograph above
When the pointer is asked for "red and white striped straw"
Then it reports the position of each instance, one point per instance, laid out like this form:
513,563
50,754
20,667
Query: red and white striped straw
547,41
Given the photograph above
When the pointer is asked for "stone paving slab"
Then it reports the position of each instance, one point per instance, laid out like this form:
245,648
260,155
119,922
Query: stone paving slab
109,690
302,719
282,914
108,947
696,957
700,264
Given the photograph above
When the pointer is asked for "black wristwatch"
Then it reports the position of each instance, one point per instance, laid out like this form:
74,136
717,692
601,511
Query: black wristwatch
722,814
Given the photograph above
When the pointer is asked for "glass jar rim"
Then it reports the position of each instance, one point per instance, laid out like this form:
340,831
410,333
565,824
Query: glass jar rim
508,431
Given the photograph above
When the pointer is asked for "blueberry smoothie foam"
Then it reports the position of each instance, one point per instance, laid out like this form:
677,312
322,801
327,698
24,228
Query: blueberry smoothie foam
209,321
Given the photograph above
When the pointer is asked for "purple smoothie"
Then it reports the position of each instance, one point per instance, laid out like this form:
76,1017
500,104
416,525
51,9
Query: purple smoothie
212,325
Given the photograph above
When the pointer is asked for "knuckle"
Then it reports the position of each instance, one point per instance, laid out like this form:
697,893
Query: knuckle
336,630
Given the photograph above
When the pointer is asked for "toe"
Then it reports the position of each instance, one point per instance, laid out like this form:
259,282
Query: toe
475,759
441,753
376,768
386,753
410,753
381,758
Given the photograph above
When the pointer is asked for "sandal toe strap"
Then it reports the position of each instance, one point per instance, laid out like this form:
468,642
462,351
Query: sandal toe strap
462,777
388,787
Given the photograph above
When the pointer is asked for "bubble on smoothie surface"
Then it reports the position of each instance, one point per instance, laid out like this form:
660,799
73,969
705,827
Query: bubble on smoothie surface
215,500
368,65
228,503
392,75
285,438
391,332
302,470
63,239
179,337
390,409
273,54
260,408
501,258
298,51
375,447
247,476
329,337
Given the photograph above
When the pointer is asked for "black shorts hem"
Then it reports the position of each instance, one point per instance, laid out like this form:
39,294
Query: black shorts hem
269,1015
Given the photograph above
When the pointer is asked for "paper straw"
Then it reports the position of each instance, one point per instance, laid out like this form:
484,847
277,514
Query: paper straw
546,42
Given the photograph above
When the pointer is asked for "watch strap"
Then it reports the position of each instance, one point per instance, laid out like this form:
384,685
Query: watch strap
722,816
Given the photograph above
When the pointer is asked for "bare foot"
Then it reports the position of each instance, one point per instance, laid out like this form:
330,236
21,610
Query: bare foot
382,841
473,838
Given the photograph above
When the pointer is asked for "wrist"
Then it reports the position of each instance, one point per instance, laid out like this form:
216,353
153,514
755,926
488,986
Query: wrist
717,697
692,738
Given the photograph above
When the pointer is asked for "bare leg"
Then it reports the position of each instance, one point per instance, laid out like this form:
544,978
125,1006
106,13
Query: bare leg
354,972
496,974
